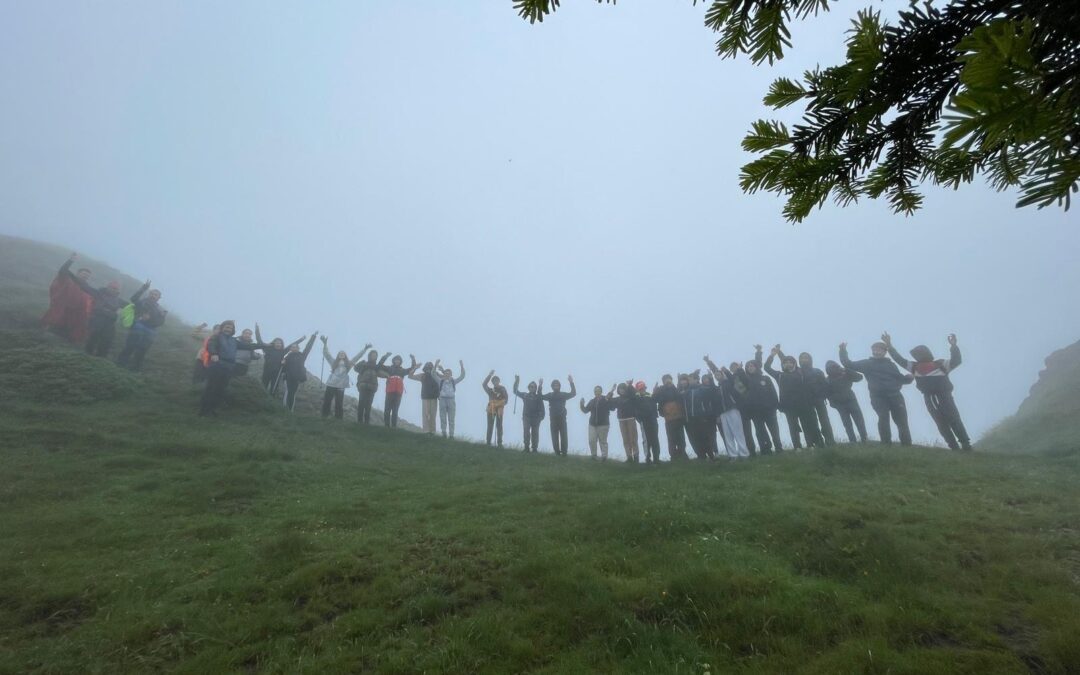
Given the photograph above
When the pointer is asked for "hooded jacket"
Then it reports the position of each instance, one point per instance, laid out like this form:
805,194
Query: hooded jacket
599,410
796,394
699,400
931,375
815,379
839,381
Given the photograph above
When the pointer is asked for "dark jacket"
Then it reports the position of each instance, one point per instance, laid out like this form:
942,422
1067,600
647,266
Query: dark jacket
760,394
839,383
429,386
795,391
882,376
367,375
293,362
815,382
107,302
728,396
557,401
647,408
626,405
147,311
599,410
698,400
225,347
669,400
532,405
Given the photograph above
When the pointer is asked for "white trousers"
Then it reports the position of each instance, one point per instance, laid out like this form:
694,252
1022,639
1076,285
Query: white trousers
731,428
447,411
598,436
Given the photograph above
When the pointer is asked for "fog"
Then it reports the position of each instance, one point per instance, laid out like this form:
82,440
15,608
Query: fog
446,180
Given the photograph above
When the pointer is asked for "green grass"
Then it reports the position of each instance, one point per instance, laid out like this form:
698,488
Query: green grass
138,537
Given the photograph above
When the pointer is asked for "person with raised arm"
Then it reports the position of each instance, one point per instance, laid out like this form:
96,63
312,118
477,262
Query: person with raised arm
932,380
843,399
698,399
556,401
729,420
884,381
244,357
626,411
532,413
106,305
367,384
761,404
294,370
429,396
795,400
647,412
818,390
599,411
222,348
273,356
497,398
338,381
70,303
395,375
669,400
447,391
149,316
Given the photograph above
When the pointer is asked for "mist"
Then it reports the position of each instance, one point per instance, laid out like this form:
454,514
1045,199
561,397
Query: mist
536,200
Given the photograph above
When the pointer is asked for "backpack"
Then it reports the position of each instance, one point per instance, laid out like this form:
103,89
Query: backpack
127,315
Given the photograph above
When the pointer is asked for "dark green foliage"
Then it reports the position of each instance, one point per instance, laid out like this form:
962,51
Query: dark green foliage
947,92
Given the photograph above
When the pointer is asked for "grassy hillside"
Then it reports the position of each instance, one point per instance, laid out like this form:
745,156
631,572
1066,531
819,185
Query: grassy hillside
28,267
1049,418
138,538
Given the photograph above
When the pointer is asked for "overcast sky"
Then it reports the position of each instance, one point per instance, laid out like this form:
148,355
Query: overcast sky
445,179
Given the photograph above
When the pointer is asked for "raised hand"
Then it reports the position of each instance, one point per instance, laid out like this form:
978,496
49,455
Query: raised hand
757,348
843,346
952,339
886,338
367,346
73,256
570,379
323,338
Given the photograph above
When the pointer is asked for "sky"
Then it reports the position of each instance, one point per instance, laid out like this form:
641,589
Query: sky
446,180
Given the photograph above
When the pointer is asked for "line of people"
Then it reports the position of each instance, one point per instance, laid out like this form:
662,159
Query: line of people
87,316
740,402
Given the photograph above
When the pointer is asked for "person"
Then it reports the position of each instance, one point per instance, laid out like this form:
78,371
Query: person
557,412
729,420
294,370
429,396
626,411
818,393
884,381
497,398
149,316
69,303
698,397
532,413
932,380
273,358
222,348
841,397
244,357
795,400
367,384
338,381
599,411
670,402
647,413
395,375
202,356
738,385
106,304
447,390
761,403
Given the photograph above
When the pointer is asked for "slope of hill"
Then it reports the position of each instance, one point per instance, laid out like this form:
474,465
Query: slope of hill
1049,418
28,267
138,538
